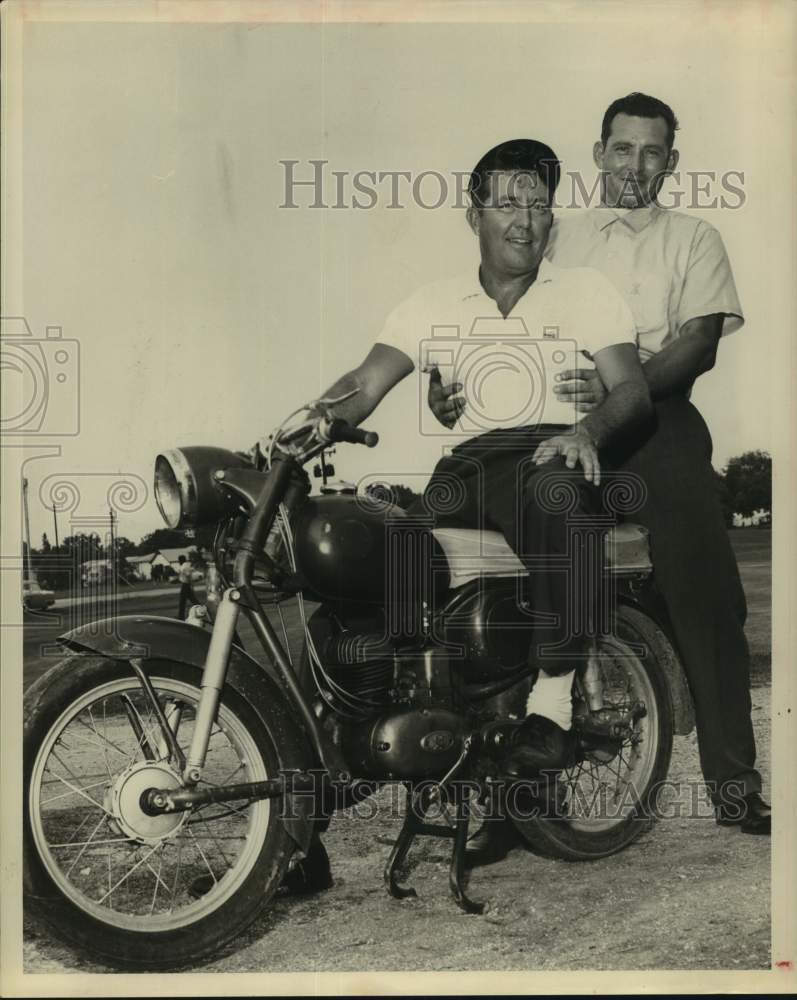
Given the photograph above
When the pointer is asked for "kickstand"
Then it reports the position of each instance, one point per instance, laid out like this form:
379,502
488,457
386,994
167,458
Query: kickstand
457,869
418,803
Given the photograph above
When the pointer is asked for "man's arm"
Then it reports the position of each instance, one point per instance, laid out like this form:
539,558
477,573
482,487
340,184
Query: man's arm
628,395
626,402
383,368
674,370
671,372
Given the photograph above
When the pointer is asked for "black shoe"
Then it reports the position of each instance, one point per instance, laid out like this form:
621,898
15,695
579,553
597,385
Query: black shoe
494,840
310,875
540,745
749,812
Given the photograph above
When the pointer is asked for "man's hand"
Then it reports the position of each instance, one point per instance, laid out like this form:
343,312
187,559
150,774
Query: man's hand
578,448
441,399
583,386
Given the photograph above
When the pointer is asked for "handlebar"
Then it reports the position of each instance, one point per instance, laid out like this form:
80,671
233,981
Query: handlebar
339,430
315,433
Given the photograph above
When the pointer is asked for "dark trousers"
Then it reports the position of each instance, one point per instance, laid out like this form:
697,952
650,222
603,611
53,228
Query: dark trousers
550,517
696,572
187,598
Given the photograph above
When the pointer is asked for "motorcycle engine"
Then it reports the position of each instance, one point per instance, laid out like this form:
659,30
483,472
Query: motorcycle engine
399,706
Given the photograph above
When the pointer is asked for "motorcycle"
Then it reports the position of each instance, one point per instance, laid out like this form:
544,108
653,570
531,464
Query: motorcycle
160,751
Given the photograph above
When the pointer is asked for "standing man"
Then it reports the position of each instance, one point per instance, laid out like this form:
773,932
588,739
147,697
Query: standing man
674,272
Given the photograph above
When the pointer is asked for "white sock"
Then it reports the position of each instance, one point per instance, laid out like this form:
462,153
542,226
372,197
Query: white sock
551,697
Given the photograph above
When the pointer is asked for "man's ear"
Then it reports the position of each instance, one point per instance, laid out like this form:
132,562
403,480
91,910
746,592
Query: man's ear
597,154
474,220
672,160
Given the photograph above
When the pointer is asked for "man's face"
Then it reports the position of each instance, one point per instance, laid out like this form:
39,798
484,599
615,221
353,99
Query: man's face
634,161
514,223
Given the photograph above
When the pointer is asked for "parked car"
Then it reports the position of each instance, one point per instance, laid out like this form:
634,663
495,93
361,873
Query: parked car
34,597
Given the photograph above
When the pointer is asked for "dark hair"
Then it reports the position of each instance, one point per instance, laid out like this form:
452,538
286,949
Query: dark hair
640,106
515,155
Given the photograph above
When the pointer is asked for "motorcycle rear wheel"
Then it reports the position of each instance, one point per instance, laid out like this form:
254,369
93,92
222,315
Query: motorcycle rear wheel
102,874
606,801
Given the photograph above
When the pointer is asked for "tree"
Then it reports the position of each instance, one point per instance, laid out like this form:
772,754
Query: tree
84,547
123,547
162,538
748,479
45,543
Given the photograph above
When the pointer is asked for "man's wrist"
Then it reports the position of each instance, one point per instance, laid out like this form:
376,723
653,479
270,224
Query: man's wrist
590,429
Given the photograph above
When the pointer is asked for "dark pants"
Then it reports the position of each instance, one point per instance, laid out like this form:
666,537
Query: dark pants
696,572
187,598
550,517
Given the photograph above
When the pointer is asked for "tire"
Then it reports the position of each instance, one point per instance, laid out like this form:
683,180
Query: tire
585,826
99,872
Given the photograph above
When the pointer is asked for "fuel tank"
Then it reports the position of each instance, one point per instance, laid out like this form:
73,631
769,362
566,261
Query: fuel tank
363,550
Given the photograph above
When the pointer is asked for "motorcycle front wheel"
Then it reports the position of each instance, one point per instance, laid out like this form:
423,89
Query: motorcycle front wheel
611,795
140,891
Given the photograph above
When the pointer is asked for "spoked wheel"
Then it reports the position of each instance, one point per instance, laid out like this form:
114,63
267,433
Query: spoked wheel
103,873
608,798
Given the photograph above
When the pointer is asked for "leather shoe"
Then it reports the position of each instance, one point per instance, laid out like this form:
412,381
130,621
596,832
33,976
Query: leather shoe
310,875
749,812
540,745
491,843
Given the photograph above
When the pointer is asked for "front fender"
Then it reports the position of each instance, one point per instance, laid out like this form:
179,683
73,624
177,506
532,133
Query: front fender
151,637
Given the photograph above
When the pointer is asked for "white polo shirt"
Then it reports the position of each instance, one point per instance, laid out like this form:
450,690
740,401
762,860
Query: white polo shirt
507,365
669,267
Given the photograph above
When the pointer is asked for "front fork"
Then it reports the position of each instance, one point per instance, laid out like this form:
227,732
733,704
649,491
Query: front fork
213,678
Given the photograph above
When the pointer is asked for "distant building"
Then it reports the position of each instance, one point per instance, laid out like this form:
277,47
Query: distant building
760,519
142,565
172,556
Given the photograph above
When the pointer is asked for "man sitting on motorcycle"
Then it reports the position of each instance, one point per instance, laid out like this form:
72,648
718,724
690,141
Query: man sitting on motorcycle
518,305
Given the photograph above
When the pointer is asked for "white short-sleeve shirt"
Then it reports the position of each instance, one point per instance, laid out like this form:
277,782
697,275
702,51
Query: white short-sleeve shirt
670,267
507,366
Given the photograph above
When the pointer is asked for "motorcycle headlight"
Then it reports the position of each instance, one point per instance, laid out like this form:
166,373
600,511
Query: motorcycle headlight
186,490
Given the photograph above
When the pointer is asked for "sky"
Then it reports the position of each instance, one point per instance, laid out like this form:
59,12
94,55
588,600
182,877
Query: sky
194,309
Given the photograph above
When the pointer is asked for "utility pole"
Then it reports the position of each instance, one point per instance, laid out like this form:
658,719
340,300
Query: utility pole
112,559
27,570
55,523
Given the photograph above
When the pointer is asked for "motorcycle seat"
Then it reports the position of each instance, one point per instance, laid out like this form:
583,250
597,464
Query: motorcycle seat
471,553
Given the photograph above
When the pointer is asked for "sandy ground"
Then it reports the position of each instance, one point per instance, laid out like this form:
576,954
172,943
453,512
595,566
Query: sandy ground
687,895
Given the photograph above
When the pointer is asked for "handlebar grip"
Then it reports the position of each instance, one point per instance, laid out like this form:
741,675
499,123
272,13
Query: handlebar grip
341,430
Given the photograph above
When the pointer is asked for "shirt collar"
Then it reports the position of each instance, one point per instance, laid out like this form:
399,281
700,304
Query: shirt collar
472,286
637,219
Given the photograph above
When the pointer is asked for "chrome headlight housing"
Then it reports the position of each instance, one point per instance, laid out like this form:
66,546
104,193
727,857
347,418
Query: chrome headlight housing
186,489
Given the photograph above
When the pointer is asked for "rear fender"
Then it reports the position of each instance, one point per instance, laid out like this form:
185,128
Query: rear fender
152,637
